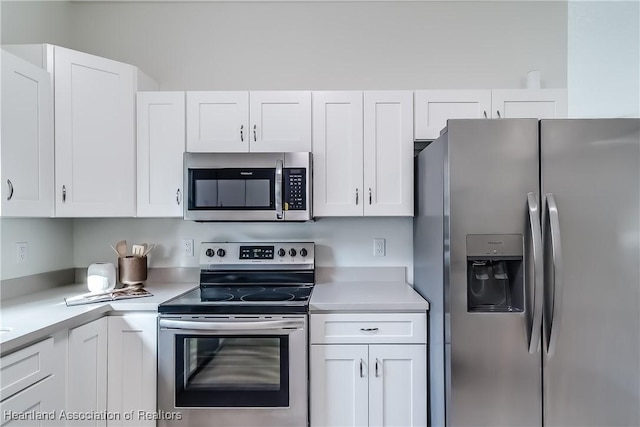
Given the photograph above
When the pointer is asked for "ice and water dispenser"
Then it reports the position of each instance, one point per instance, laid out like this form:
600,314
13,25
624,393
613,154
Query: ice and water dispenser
495,278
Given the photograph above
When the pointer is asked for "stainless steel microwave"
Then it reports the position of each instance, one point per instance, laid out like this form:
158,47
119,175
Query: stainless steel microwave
247,186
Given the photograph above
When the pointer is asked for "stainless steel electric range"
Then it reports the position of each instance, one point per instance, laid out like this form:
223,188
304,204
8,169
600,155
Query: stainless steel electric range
233,352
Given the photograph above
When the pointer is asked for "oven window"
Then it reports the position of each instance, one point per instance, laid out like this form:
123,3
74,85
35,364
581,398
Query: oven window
231,189
232,371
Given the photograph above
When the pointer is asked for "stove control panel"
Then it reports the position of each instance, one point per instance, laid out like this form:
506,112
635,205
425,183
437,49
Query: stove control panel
246,253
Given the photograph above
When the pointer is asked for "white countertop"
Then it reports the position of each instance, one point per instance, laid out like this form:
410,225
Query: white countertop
366,296
34,316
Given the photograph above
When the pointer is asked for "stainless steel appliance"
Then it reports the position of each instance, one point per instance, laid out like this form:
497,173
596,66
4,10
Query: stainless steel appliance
533,227
233,352
247,186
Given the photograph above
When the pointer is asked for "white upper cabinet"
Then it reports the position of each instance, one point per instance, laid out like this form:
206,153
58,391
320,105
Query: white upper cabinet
529,103
27,139
388,153
218,122
228,122
94,134
434,107
363,153
337,153
280,121
160,147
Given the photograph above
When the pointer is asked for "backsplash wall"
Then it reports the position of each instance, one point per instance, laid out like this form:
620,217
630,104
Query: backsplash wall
341,242
49,243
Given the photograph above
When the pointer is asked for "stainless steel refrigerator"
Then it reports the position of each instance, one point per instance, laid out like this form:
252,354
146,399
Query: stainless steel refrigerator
527,245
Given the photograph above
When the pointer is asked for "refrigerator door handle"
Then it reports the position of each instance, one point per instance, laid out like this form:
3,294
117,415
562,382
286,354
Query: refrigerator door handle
555,274
535,278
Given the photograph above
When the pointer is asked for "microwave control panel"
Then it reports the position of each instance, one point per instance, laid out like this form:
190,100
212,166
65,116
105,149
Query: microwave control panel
295,189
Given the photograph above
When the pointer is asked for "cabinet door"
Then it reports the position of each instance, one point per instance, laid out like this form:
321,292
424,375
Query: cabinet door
132,367
218,122
398,385
388,153
529,103
27,139
337,154
40,398
160,148
434,107
280,121
339,382
94,135
87,374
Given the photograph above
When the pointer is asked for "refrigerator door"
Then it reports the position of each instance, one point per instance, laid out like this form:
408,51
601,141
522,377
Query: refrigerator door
591,356
492,378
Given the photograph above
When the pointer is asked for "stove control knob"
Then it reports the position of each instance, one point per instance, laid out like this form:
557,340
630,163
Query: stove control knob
282,252
292,252
221,252
210,253
303,252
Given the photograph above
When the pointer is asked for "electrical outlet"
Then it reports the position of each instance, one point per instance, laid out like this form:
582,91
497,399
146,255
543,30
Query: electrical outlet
379,246
187,247
22,252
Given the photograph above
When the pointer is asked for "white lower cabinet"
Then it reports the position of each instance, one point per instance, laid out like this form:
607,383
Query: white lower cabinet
87,372
132,369
30,379
377,380
37,405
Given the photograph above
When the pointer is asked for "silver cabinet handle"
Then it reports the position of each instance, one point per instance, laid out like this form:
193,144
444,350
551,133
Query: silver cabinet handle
369,195
498,113
241,133
178,196
278,189
553,294
10,189
485,113
255,137
361,368
356,196
377,364
535,278
369,329
64,194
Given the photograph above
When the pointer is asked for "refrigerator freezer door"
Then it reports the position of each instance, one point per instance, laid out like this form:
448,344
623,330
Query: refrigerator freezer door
494,380
592,167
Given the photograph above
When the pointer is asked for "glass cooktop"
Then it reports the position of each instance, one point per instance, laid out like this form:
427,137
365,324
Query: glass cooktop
250,299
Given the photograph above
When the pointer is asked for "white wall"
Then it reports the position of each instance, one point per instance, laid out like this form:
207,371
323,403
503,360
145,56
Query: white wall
50,245
35,22
330,45
340,241
603,71
292,45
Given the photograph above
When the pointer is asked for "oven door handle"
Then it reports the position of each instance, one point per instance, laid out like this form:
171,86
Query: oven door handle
231,326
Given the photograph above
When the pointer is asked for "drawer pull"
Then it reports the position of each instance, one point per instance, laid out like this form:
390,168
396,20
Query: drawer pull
369,329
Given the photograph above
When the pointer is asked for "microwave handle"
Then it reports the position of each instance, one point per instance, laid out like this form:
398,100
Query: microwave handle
279,167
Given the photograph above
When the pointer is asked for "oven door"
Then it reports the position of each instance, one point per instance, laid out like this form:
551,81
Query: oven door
233,370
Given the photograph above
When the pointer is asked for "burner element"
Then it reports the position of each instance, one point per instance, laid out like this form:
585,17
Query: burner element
268,296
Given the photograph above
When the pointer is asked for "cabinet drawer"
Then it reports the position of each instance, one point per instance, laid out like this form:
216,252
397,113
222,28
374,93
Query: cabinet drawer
24,367
40,399
384,328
